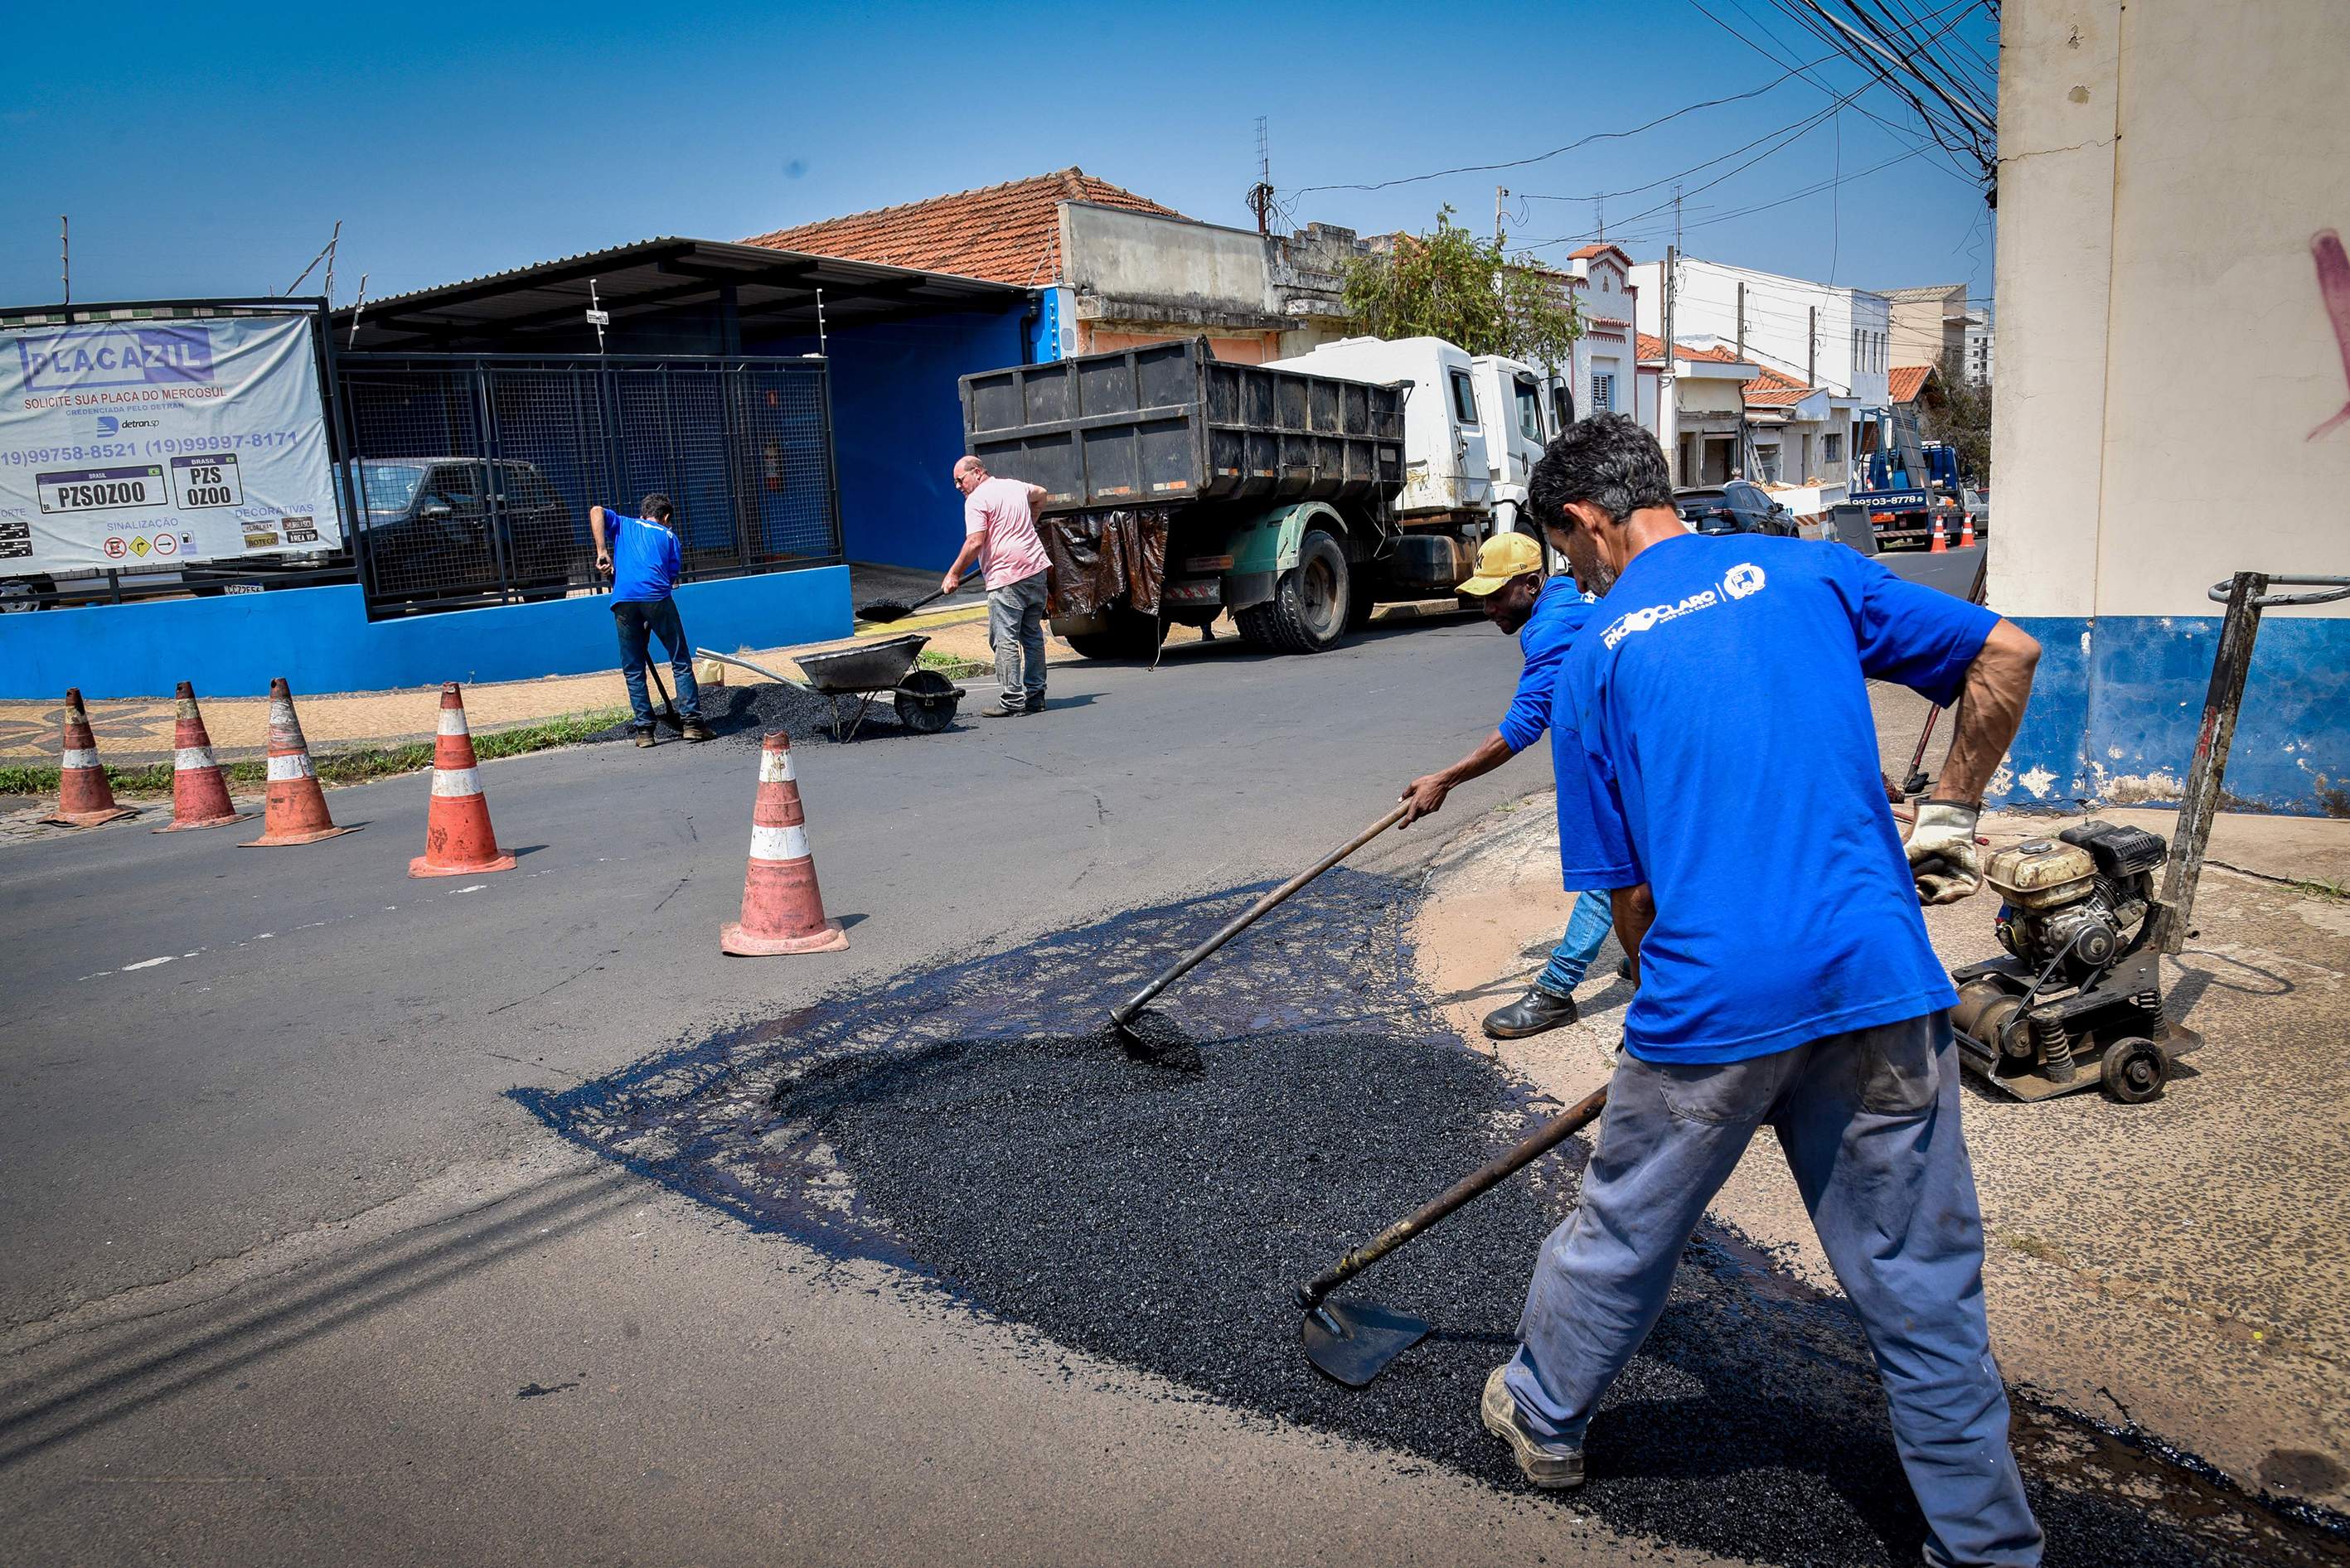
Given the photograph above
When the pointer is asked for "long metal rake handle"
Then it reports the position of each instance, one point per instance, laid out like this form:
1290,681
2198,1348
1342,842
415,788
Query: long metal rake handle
1491,1174
1124,1014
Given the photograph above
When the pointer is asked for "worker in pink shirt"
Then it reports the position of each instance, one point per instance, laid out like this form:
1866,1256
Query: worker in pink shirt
999,518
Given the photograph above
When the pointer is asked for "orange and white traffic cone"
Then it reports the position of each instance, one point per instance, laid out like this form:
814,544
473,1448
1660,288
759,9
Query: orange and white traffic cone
783,912
296,810
199,787
84,797
458,838
1966,531
1941,544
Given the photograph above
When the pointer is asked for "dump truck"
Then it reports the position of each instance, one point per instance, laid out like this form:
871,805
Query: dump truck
1180,487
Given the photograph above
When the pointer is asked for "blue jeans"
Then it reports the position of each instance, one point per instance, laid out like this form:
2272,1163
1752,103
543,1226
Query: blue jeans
1586,931
1869,1122
638,619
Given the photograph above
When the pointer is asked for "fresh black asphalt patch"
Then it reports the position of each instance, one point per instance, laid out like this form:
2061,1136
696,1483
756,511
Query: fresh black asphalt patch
745,714
972,1125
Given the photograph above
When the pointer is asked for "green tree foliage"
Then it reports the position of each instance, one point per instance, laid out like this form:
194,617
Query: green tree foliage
1961,417
1452,285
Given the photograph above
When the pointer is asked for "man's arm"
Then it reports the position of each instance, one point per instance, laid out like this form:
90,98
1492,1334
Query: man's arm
1036,495
1635,909
963,559
1424,796
603,546
1941,848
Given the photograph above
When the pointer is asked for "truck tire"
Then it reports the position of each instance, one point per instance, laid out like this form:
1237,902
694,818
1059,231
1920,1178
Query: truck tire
1308,612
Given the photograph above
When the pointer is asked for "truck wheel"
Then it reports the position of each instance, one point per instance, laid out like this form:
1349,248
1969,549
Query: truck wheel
1359,603
1308,612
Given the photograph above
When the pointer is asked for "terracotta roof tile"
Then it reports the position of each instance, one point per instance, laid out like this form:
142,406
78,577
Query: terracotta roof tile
1007,233
1652,349
1907,381
1771,390
1587,253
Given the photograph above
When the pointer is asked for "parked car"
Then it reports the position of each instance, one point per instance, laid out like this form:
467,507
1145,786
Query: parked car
1737,507
431,528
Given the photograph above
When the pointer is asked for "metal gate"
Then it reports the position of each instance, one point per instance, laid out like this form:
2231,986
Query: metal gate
472,474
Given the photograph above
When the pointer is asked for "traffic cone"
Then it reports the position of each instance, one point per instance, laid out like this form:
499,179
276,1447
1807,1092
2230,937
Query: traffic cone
1966,531
297,808
84,797
783,912
199,788
458,838
1941,544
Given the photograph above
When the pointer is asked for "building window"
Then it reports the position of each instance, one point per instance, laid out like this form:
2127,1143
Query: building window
1464,399
1832,447
1603,393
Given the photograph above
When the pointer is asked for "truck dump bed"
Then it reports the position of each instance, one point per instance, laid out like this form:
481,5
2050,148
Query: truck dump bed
1168,421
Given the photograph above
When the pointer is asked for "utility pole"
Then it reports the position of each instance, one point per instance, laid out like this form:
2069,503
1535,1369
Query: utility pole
1599,217
1501,194
1668,394
65,255
1742,318
1811,347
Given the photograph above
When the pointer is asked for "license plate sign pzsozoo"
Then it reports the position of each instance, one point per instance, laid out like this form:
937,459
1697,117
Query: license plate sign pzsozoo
207,481
103,489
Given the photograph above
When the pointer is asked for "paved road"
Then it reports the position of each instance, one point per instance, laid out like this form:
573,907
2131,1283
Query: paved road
289,1278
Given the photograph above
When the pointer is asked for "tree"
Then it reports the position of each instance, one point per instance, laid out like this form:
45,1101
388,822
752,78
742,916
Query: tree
1449,284
1961,418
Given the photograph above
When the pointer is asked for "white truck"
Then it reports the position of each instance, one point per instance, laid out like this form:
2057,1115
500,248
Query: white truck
1295,495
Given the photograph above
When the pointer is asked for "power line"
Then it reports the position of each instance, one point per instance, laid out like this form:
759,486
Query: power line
1570,147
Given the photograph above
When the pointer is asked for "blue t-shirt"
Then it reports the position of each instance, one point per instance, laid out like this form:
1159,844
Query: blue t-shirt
1588,858
1559,613
1726,727
646,561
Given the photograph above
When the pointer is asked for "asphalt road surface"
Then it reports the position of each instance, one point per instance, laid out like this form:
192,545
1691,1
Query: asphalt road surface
290,1277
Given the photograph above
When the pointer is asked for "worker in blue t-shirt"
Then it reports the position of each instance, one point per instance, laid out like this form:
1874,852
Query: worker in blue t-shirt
1546,614
1785,979
641,556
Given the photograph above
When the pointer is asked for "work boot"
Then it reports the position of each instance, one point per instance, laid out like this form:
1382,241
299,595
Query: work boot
1554,1467
1536,1012
644,737
1004,711
695,730
1035,704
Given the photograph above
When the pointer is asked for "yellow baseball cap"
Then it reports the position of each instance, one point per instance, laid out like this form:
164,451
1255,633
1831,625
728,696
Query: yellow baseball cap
1500,558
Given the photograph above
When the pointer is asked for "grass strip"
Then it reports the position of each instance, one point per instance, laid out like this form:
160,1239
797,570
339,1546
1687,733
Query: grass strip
346,767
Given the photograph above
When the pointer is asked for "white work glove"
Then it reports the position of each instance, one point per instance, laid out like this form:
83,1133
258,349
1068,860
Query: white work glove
1942,852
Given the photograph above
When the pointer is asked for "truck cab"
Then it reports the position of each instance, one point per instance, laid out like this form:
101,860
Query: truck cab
1449,429
1518,407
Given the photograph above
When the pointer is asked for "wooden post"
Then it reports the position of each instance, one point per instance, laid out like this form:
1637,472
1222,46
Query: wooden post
2230,667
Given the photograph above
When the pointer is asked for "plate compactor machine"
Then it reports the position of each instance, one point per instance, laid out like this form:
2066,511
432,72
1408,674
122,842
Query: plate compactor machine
2078,1002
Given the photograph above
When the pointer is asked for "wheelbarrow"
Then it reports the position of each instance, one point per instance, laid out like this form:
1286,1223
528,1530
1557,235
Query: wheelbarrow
855,679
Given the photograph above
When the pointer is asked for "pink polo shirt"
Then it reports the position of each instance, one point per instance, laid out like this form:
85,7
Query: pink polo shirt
999,508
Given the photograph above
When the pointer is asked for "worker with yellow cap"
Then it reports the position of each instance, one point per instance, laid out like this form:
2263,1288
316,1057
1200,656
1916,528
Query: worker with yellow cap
1547,614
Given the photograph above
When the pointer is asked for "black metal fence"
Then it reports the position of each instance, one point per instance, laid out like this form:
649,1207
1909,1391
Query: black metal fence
472,474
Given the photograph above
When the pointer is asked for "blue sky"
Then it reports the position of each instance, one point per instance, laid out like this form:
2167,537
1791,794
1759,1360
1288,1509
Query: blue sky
209,151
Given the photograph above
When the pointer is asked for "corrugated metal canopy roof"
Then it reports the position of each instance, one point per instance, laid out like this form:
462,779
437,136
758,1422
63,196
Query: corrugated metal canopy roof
774,290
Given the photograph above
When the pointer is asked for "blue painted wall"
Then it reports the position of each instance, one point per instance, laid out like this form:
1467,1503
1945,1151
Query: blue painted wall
897,426
2119,699
321,641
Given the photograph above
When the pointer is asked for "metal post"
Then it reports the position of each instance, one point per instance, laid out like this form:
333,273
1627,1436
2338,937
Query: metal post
2230,667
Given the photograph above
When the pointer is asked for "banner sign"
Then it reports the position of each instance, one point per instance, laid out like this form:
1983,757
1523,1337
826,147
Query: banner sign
148,443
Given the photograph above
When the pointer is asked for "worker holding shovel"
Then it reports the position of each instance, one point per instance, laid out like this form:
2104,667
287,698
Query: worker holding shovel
641,556
1546,615
1786,980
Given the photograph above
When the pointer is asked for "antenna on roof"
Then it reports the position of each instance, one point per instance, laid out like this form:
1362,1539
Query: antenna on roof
65,253
598,317
1259,196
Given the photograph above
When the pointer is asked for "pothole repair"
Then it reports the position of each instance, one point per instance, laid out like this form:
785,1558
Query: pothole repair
972,1125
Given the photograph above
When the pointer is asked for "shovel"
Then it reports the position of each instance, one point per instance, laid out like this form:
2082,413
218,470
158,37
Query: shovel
1122,1017
1353,1342
668,714
881,612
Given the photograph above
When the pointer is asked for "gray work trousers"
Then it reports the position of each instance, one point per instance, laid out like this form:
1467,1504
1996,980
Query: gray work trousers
1869,1124
1015,630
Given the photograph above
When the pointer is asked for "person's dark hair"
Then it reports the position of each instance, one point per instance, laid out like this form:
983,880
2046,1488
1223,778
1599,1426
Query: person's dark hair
657,507
1607,460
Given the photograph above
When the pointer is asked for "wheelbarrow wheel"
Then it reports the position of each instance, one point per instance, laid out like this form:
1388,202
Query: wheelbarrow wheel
926,701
